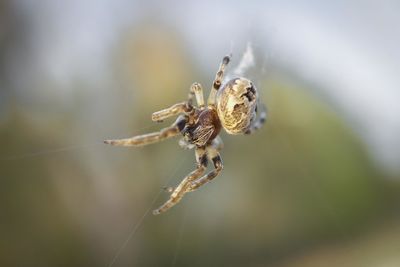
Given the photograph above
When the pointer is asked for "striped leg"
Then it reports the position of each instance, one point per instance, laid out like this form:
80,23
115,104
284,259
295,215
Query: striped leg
218,80
197,89
213,155
176,109
151,138
181,189
259,122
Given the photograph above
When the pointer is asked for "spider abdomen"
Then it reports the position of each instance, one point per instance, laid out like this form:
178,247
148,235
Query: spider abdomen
236,105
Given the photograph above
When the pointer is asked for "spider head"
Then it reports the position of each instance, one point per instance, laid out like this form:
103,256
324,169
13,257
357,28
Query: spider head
236,105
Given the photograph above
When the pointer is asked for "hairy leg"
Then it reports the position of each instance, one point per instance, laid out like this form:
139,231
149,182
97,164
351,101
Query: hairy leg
181,189
214,156
151,138
171,111
197,90
218,80
183,107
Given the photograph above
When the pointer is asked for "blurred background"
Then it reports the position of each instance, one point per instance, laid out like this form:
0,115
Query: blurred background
319,185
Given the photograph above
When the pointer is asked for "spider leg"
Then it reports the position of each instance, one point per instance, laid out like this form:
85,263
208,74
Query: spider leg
197,89
259,122
178,108
218,80
183,107
150,138
213,155
181,189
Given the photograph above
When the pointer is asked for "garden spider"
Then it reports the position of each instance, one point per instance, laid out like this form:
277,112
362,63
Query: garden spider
232,106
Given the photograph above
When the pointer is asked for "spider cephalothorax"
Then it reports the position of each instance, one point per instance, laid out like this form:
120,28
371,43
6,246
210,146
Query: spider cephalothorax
206,127
232,107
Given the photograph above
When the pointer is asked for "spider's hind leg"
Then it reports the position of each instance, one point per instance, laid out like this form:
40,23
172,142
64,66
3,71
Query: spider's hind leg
151,138
181,189
218,80
214,156
197,90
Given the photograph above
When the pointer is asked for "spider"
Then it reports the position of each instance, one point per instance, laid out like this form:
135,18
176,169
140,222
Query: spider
232,106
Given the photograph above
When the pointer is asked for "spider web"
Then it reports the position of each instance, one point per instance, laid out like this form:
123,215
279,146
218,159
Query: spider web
180,237
136,225
246,62
68,148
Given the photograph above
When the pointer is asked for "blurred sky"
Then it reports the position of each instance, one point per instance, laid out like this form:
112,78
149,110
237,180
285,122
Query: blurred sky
346,51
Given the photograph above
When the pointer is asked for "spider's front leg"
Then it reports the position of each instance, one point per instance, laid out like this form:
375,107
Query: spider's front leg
214,156
150,138
181,189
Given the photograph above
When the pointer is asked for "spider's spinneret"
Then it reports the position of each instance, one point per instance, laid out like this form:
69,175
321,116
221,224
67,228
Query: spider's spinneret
236,105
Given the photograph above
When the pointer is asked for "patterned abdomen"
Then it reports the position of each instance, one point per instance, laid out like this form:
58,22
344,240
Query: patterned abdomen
236,105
